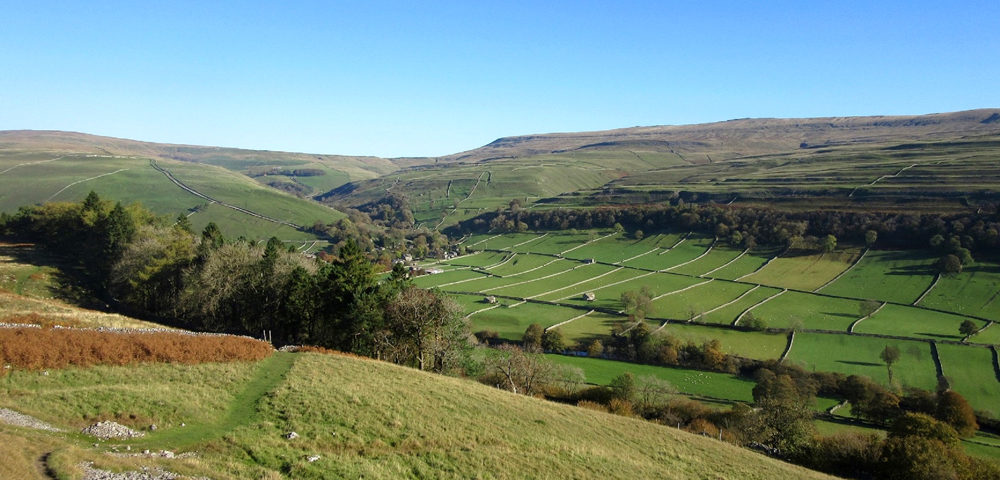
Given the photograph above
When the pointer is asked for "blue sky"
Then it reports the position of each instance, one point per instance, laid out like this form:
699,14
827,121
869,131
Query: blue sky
433,78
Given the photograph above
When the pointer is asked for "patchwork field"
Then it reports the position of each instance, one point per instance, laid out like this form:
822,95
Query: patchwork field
698,288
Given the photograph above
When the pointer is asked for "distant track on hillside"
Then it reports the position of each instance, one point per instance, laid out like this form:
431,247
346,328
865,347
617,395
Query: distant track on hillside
196,193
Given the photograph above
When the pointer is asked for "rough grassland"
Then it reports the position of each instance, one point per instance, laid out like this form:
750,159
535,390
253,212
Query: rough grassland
851,354
804,272
890,275
376,420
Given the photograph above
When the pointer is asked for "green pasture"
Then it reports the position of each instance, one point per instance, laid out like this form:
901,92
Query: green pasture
727,314
558,285
808,310
914,322
620,247
599,371
757,345
657,283
555,269
970,371
520,263
511,321
438,279
804,271
857,355
697,300
595,326
899,276
689,249
480,259
235,224
746,264
989,336
558,242
718,256
508,240
975,291
577,289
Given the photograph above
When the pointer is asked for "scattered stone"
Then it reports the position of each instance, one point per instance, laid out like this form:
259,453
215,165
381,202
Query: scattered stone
11,417
107,430
312,458
291,435
145,473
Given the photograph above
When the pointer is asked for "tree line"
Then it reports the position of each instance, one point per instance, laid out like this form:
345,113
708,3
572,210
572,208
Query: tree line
958,234
158,268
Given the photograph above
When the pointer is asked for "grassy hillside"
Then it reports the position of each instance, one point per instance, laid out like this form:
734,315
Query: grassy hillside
931,162
362,417
40,166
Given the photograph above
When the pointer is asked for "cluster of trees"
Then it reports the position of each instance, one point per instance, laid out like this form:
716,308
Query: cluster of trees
749,226
924,428
156,268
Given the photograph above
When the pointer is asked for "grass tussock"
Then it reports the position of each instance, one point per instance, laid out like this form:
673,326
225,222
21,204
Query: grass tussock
41,348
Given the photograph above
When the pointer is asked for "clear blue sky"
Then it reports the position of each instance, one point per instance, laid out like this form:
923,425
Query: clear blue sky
433,78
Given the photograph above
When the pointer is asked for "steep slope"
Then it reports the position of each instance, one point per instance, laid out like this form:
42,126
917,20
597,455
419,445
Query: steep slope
361,417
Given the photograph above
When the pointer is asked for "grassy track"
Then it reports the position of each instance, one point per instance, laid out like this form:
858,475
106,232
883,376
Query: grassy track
242,410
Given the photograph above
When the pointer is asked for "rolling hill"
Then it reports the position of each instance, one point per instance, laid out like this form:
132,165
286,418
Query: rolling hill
358,417
929,162
205,183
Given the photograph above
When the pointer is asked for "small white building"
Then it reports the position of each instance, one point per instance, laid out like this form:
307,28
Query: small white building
589,296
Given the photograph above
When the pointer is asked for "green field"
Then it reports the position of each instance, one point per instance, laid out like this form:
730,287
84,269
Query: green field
804,271
746,264
975,291
914,322
809,311
698,300
899,276
856,355
757,345
728,313
692,382
716,257
970,372
510,322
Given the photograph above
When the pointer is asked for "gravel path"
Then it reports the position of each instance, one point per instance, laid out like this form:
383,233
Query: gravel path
11,417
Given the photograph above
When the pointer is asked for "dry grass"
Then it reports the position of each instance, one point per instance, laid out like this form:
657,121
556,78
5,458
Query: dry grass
42,348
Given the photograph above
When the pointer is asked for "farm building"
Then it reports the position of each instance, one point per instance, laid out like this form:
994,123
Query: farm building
490,299
589,296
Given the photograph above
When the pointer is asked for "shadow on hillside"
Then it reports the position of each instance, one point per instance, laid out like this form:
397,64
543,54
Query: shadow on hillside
68,280
861,364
